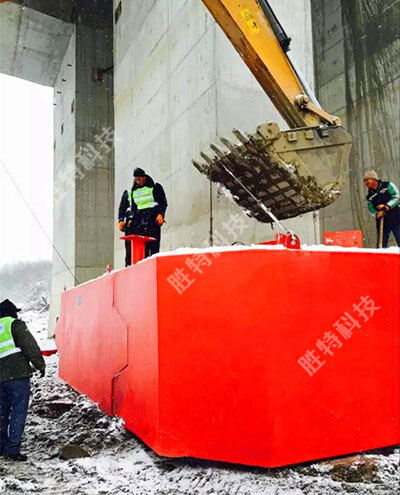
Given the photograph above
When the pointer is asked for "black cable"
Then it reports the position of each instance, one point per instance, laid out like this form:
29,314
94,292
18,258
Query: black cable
37,220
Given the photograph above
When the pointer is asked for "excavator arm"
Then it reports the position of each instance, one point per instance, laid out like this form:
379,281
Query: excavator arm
289,172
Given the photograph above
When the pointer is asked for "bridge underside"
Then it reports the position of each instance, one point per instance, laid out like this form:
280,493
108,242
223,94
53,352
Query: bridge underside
32,44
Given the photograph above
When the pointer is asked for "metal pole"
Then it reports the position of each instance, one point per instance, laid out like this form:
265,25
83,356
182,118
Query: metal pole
380,241
260,204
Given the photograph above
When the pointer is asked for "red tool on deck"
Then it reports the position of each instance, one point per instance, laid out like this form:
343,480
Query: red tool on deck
138,244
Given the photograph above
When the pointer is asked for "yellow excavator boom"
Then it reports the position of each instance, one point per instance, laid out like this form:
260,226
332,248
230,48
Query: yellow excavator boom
289,172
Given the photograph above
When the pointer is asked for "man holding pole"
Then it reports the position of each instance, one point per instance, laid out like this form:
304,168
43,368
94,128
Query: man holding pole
383,201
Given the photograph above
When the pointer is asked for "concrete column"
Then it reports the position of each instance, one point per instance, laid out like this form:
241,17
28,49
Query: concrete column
84,157
94,136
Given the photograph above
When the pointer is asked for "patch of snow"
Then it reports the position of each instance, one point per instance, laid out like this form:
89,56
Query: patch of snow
37,322
227,193
274,247
291,167
341,249
219,249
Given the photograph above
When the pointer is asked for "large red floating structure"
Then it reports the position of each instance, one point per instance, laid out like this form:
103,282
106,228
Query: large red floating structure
264,356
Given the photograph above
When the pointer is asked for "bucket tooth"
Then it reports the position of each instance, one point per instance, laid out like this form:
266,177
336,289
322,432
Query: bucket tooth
245,140
231,146
292,177
241,136
207,159
218,151
201,167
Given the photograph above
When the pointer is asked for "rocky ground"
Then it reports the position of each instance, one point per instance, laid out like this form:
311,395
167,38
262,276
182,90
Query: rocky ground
76,449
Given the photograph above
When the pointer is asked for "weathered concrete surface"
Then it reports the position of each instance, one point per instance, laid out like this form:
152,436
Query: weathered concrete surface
179,84
64,197
95,119
357,46
32,45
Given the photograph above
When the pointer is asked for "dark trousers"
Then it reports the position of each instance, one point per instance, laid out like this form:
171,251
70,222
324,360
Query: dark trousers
14,402
390,225
150,249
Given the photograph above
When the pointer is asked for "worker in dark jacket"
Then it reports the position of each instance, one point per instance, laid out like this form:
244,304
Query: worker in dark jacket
142,211
383,200
18,349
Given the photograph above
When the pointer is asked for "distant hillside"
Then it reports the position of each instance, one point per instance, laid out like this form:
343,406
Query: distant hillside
27,284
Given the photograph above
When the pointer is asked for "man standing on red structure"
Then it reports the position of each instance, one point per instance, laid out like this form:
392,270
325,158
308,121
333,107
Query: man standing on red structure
142,211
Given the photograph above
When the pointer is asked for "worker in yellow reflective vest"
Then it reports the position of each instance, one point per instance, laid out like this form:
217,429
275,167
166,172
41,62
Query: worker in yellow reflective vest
142,212
18,349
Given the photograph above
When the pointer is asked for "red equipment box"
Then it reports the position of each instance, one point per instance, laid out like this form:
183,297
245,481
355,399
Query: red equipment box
345,238
263,356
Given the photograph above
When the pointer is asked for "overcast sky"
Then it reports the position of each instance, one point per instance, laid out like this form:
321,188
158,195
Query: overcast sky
26,149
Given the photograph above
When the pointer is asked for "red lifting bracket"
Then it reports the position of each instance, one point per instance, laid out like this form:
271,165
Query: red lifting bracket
290,241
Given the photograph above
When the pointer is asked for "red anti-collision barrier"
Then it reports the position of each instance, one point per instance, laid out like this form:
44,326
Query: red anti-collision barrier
221,356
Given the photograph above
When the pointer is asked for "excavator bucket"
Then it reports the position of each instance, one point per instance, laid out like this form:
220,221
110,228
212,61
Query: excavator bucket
289,172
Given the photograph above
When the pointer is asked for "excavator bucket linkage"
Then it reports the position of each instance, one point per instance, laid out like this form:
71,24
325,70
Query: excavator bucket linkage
290,172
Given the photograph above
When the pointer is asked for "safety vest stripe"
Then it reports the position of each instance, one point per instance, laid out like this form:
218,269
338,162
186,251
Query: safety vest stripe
11,351
6,343
147,205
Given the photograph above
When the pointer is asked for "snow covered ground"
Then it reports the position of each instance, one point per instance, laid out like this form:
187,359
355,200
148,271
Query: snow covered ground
62,425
